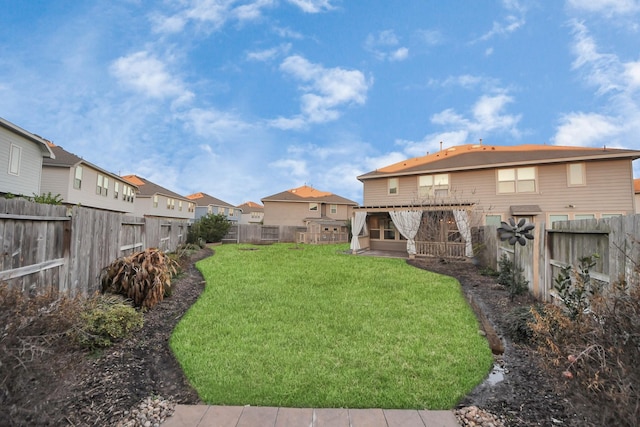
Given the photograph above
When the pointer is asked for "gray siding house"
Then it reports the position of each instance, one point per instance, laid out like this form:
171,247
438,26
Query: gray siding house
206,204
80,182
153,200
21,156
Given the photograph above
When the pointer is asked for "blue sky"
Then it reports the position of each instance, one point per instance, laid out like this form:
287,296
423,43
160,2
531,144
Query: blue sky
242,99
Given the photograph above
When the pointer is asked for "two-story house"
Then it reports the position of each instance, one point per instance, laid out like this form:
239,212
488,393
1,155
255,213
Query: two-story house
153,200
209,205
440,197
324,215
252,213
80,182
21,157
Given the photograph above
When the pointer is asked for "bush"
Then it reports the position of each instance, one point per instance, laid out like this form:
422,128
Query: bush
596,353
519,322
31,328
210,229
143,277
105,320
47,199
511,277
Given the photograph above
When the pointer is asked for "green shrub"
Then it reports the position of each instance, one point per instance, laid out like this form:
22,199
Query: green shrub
210,228
511,277
47,199
106,319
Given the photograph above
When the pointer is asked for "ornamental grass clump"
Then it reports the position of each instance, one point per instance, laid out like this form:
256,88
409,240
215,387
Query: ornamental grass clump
143,277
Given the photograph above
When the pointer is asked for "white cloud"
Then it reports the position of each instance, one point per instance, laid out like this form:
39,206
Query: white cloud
145,73
399,55
293,167
632,74
218,125
313,6
213,14
431,143
585,129
325,89
603,69
617,82
606,7
384,46
429,37
487,117
268,54
510,25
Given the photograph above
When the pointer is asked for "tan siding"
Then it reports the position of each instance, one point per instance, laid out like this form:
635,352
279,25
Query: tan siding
293,213
287,213
609,189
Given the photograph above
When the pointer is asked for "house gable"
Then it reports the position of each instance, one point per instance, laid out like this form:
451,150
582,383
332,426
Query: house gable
300,205
21,155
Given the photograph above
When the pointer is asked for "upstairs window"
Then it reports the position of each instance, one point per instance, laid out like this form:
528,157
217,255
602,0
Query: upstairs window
116,189
230,211
576,174
313,206
155,201
180,205
333,209
77,180
14,160
191,207
393,186
433,185
517,180
102,186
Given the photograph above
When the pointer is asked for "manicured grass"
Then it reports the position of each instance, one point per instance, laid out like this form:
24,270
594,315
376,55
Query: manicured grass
310,326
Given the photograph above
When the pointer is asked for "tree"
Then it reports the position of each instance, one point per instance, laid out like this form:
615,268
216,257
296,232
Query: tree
210,228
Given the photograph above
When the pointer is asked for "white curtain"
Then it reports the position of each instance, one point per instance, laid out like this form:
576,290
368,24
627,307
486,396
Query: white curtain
462,221
357,226
407,223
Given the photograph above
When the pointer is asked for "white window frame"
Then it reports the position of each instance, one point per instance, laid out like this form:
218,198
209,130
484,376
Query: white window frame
513,176
116,189
77,178
99,184
576,174
15,159
155,201
333,209
313,206
435,185
393,186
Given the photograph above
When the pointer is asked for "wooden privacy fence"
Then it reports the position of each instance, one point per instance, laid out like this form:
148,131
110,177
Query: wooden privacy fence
45,246
261,234
615,240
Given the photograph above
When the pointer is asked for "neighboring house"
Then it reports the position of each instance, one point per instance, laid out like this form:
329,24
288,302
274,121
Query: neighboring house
636,191
252,213
80,182
206,204
453,190
304,205
21,156
153,200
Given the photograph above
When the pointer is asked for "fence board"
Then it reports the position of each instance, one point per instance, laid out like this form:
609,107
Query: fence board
615,240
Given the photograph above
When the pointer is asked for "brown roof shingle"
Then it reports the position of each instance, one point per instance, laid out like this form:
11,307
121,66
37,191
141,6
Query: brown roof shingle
477,156
308,194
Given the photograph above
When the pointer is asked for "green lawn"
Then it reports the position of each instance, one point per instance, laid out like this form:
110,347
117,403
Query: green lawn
313,327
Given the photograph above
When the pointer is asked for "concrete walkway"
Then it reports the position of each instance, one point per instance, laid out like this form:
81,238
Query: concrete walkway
257,416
